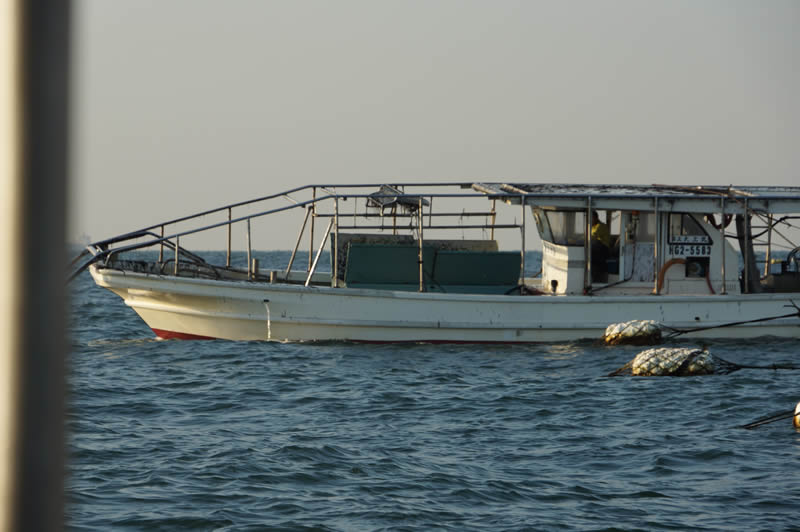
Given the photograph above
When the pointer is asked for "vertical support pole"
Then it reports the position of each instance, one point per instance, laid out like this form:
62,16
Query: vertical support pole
335,258
249,249
297,244
587,249
319,253
34,158
744,232
769,244
656,242
724,246
161,247
255,269
311,230
177,252
747,248
228,255
419,255
494,216
522,248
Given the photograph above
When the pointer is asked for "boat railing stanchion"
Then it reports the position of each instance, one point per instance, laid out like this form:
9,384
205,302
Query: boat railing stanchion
419,255
319,252
177,251
656,241
335,258
249,249
748,248
522,234
311,229
228,254
587,248
769,244
724,242
161,247
494,216
297,244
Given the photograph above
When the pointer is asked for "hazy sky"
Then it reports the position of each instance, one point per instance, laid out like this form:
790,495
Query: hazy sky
183,105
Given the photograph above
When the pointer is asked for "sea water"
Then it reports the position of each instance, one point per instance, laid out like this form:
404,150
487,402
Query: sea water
220,435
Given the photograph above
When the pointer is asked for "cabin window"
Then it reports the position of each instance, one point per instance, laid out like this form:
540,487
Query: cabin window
567,228
645,227
542,225
684,229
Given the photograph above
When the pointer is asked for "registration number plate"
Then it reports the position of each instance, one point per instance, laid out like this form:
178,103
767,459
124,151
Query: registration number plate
689,250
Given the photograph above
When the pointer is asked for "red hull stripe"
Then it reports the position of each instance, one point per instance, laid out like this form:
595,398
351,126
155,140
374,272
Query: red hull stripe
172,335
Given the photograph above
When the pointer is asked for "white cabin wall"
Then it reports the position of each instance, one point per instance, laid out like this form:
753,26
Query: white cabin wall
674,277
731,261
565,265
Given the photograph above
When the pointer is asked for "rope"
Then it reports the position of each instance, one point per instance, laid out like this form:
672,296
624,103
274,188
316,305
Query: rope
677,332
769,419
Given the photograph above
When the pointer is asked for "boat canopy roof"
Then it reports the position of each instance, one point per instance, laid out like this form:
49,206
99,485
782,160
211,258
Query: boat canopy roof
694,198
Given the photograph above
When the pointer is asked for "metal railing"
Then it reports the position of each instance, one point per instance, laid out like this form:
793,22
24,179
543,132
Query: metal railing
400,207
414,203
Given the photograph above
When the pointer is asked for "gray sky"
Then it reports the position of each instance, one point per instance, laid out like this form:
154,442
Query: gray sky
183,105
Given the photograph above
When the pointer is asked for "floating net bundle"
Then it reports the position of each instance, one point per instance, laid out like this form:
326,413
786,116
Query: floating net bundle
649,332
676,362
634,332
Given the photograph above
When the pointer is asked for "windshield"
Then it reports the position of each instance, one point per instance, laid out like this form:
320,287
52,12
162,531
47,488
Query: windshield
567,228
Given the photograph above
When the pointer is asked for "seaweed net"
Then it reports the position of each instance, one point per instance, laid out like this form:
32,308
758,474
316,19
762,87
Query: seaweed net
634,332
678,362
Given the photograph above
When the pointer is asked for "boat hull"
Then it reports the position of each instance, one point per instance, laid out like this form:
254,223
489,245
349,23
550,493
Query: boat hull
177,307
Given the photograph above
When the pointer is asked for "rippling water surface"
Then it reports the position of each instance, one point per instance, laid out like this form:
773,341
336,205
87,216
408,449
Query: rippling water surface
218,435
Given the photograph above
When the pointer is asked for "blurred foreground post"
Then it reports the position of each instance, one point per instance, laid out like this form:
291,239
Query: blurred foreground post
34,97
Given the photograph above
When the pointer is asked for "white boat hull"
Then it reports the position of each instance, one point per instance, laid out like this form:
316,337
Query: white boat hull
239,310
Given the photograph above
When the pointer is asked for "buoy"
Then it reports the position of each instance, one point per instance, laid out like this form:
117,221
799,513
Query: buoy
796,418
634,332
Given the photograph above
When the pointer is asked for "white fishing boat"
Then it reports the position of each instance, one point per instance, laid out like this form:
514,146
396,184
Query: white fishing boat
703,260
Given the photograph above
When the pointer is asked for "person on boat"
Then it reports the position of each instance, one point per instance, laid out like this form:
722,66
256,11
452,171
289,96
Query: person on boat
601,245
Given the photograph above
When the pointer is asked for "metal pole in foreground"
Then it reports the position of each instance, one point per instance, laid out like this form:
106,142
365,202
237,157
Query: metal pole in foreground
34,96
